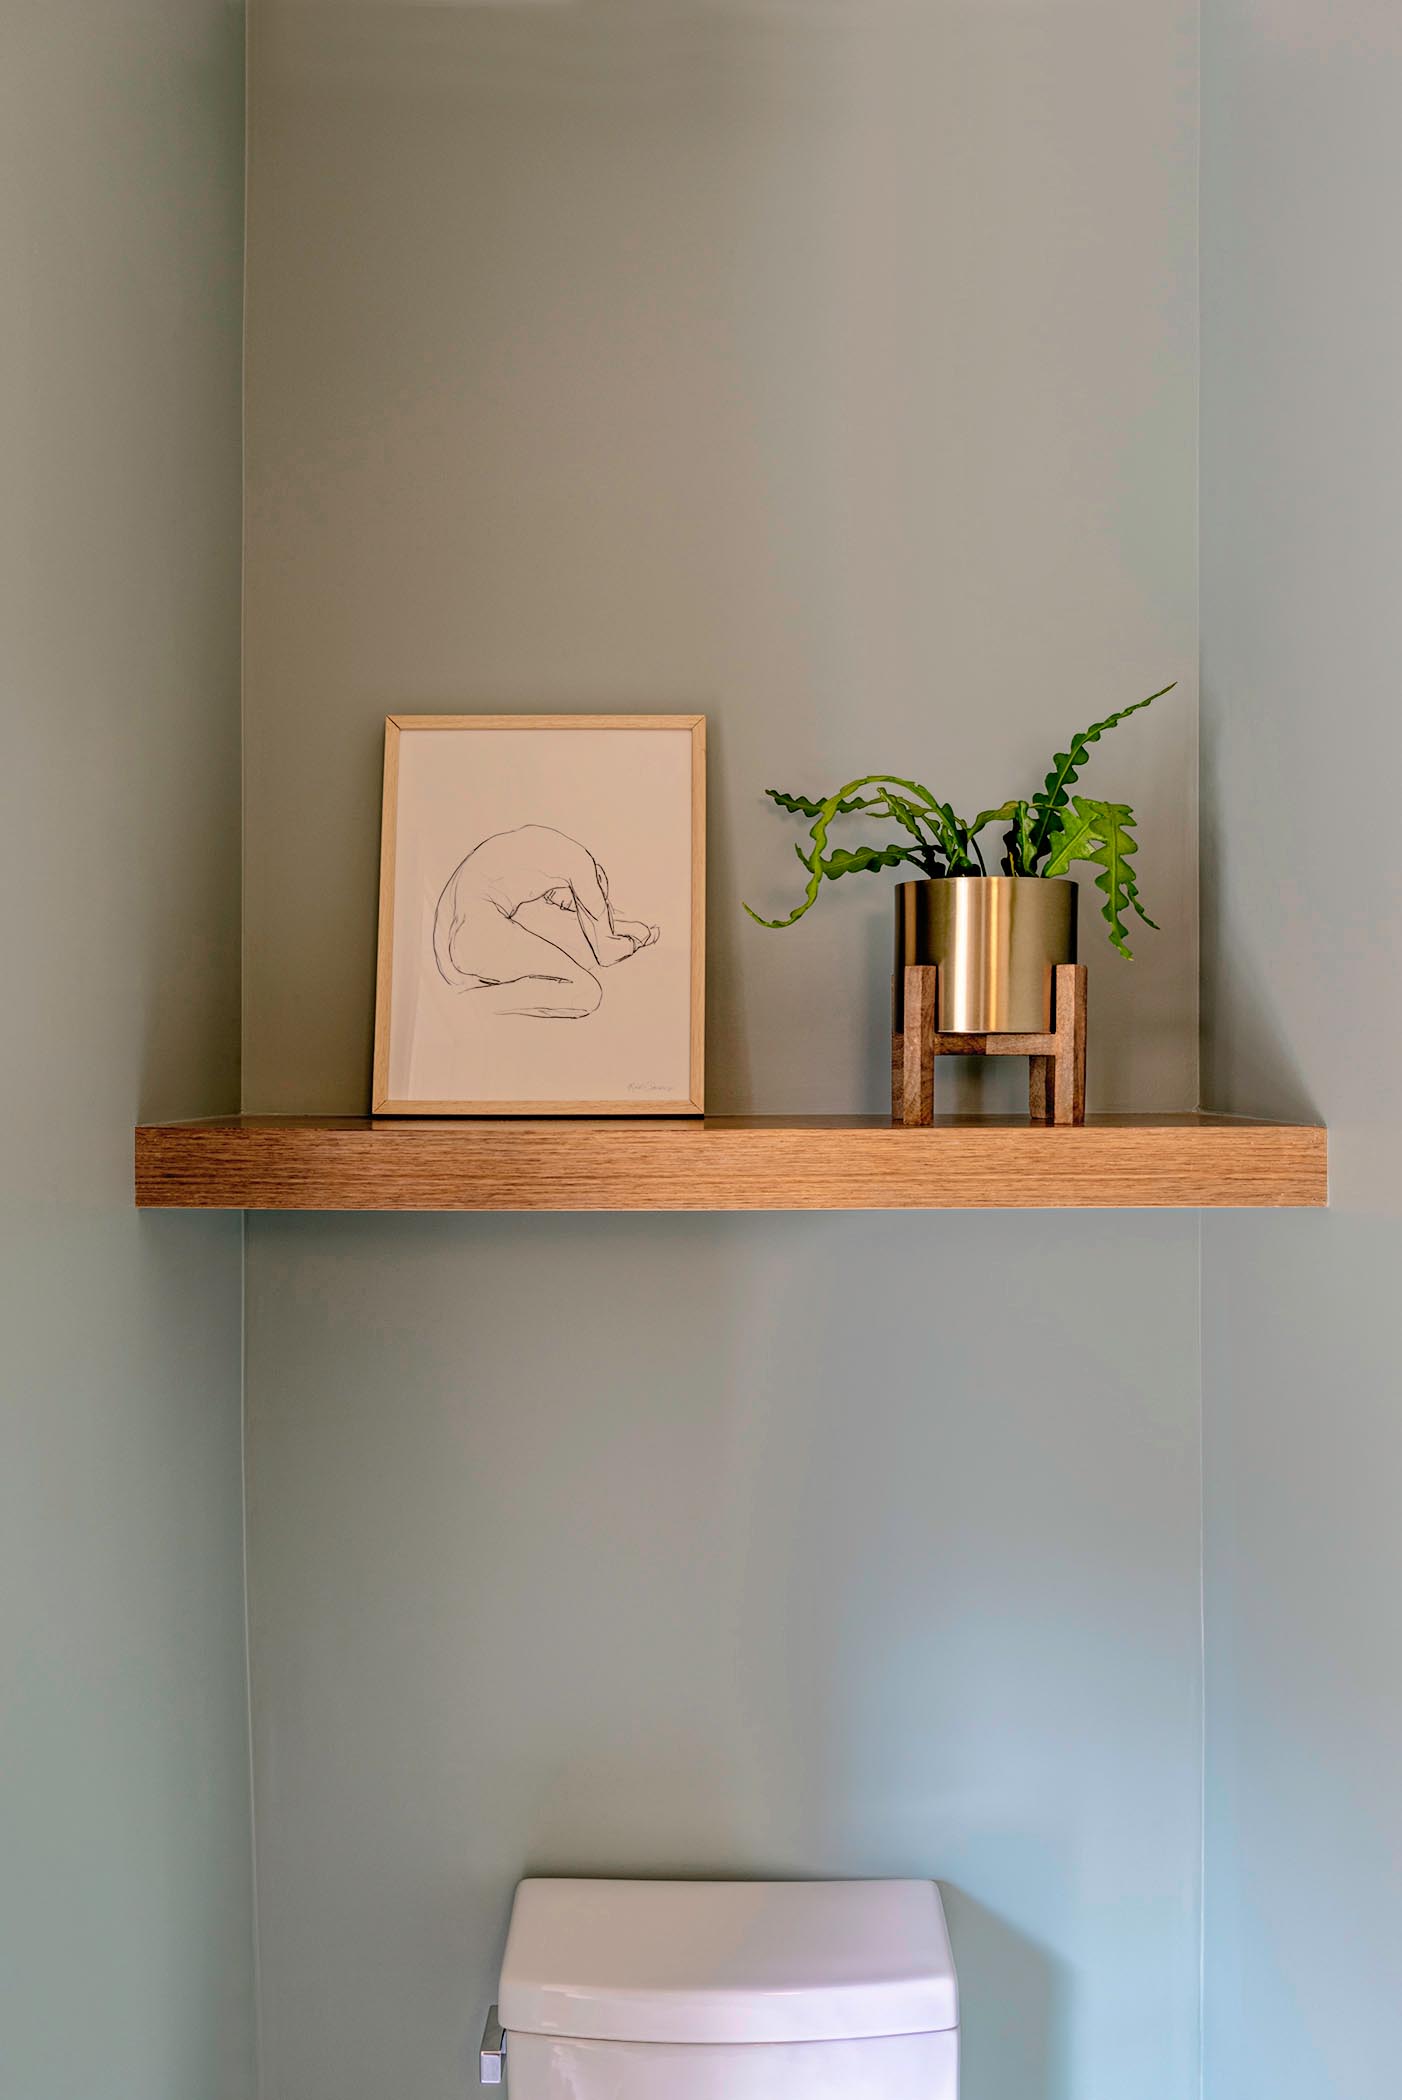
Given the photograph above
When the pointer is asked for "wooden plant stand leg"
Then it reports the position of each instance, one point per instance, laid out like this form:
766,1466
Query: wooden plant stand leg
917,1102
1056,1061
1056,1083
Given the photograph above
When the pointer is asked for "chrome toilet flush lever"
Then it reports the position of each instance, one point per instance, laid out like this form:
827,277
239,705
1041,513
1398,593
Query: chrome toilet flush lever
493,2056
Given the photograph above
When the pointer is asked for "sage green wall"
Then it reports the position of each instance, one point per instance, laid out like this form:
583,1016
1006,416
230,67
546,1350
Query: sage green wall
831,369
1302,632
125,1905
726,1545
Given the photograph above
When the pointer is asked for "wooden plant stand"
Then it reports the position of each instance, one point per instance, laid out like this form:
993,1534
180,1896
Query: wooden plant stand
1057,1061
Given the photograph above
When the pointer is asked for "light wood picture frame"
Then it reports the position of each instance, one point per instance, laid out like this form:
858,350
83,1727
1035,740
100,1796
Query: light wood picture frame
523,858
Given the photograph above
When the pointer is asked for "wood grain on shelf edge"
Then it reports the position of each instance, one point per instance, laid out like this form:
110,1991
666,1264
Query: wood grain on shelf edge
729,1164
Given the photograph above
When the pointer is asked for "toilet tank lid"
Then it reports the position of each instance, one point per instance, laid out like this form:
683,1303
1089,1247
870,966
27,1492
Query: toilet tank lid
728,1961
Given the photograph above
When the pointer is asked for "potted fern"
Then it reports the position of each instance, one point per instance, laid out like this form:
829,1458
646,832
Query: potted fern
994,936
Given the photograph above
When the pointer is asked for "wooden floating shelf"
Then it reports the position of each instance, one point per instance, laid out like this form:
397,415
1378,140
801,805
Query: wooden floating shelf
729,1163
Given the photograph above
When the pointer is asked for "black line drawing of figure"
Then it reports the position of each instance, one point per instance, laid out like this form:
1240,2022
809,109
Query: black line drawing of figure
481,946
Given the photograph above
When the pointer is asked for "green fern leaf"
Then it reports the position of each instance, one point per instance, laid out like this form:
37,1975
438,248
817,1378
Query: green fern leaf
1102,833
953,834
925,853
805,806
1074,837
906,816
961,860
825,814
864,860
1017,840
1055,791
1004,814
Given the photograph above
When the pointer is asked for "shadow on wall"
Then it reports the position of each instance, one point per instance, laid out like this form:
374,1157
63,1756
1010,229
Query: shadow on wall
1247,1062
1026,2057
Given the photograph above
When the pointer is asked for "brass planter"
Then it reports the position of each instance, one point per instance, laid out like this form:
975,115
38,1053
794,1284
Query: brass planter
996,939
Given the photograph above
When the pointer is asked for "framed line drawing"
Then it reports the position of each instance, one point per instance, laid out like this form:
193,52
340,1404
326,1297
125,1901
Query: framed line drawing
542,916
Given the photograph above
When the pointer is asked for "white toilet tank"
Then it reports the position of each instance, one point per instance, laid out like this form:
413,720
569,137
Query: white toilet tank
762,1990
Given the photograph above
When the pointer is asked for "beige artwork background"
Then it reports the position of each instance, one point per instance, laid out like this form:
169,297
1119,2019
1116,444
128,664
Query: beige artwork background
625,795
